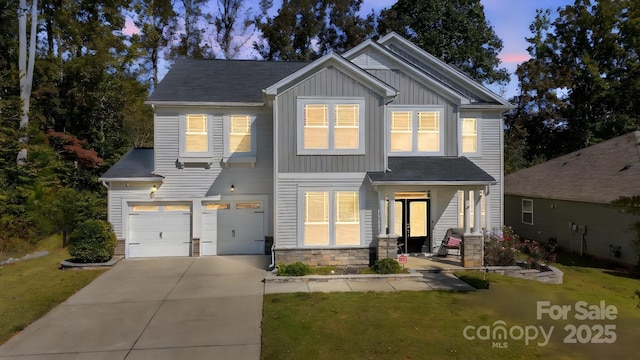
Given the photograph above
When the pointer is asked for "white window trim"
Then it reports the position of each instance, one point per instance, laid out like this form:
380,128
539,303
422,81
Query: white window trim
478,117
414,129
244,157
332,215
331,102
527,212
195,157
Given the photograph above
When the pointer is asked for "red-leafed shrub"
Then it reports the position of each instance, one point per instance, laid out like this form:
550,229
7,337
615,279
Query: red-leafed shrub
74,148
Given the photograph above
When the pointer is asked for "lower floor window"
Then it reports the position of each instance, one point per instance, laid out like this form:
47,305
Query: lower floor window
331,218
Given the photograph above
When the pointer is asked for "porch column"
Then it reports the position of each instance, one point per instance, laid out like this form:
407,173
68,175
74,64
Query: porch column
477,212
392,213
467,215
382,206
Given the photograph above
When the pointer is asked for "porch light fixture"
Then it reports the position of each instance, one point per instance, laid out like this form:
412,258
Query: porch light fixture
152,194
233,188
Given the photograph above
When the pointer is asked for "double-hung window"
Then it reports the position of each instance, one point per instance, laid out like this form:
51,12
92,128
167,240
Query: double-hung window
332,126
240,138
527,211
195,137
469,135
415,131
331,218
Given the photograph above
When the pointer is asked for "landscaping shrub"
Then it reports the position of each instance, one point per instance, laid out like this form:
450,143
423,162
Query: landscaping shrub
387,266
501,249
294,269
92,241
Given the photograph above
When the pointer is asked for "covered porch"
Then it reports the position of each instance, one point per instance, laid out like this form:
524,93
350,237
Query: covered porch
420,198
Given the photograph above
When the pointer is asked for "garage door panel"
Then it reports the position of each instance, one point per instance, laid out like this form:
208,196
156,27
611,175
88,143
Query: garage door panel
242,232
159,233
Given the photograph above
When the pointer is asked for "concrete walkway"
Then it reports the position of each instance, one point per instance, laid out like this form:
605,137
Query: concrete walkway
180,308
171,308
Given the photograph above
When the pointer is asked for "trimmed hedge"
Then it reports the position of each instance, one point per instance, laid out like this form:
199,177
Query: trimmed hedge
93,241
294,269
387,266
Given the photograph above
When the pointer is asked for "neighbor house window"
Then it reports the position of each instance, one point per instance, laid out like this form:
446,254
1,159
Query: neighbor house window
527,211
331,218
239,138
195,138
469,135
414,131
483,209
330,126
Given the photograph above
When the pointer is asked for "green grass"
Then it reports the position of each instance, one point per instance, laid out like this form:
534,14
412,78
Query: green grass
29,289
418,325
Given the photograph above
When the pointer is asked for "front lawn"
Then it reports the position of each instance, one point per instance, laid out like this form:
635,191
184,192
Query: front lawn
29,289
419,325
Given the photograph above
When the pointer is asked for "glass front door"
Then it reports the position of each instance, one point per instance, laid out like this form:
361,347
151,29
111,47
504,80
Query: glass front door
412,218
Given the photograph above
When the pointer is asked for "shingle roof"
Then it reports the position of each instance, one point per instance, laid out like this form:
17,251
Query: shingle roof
600,173
221,81
136,163
431,170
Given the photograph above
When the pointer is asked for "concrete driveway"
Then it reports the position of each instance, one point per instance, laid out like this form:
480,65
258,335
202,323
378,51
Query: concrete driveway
169,308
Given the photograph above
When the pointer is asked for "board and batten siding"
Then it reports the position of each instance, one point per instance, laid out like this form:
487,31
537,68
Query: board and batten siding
330,82
412,92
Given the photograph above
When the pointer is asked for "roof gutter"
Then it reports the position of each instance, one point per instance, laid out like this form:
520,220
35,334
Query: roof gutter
431,183
140,179
204,103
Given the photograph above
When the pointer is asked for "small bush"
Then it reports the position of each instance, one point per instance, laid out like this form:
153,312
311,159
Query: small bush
294,269
387,266
92,241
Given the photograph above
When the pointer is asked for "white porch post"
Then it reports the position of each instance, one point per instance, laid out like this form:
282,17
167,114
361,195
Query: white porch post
382,225
477,212
467,212
392,213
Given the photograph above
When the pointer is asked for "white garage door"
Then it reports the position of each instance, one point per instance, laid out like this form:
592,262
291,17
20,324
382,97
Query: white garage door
233,228
159,230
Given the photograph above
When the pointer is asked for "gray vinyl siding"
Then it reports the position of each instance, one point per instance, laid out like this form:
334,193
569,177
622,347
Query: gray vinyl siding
288,208
119,194
490,160
551,218
444,213
412,92
198,182
330,82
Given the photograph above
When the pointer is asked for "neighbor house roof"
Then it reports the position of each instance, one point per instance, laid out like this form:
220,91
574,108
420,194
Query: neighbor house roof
599,173
192,81
135,165
429,170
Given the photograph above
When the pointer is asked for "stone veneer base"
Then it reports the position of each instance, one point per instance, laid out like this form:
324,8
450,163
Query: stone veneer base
327,257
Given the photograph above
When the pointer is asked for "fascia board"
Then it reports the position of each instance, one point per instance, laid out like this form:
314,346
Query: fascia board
441,65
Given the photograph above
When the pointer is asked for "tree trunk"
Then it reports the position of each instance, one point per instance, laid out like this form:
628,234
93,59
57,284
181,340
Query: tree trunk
26,69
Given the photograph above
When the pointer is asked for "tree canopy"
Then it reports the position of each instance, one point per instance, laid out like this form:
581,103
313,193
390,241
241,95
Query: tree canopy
455,31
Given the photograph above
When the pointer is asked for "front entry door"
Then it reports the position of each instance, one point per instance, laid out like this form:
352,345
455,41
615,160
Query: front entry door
414,223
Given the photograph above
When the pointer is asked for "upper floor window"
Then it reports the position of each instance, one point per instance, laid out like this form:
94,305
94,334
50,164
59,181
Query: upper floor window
330,126
195,137
240,138
469,135
415,131
196,133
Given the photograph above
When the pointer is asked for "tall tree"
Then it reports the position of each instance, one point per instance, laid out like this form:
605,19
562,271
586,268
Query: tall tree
455,31
308,29
156,23
229,25
580,86
26,51
191,42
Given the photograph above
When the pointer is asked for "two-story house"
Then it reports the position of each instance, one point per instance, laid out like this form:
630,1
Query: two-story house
334,160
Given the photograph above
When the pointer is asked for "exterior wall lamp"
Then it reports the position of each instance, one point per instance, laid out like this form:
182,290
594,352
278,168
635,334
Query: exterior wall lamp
152,194
233,188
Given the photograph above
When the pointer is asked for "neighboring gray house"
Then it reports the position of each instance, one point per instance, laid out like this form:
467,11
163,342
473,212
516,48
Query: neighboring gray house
311,155
568,198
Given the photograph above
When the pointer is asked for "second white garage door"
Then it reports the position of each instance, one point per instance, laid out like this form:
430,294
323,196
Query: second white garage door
159,230
233,228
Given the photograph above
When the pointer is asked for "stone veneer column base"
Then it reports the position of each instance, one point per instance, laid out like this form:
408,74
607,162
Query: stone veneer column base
472,250
387,247
325,257
195,250
119,248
